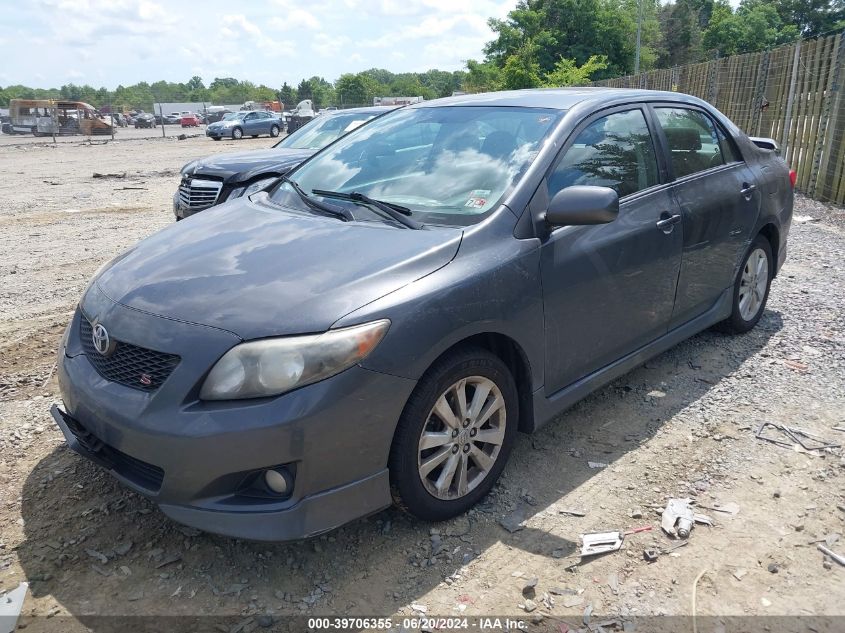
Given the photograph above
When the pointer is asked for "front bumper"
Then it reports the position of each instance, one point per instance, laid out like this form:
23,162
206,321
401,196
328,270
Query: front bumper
192,457
218,132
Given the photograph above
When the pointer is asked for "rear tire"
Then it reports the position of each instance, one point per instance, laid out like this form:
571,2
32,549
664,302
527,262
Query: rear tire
274,131
449,449
751,288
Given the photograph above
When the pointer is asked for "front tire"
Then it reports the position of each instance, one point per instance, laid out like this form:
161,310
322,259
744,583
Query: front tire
237,134
751,288
454,436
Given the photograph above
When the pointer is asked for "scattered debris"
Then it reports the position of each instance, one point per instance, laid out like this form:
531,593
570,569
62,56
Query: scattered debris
833,555
739,573
574,513
800,438
652,554
513,522
600,543
679,518
596,464
773,568
167,560
98,175
730,508
10,608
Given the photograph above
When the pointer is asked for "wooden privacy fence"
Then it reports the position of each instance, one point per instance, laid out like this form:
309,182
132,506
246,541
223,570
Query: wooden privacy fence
793,94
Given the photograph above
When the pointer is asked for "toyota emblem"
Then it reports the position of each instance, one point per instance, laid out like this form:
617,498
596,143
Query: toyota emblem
100,338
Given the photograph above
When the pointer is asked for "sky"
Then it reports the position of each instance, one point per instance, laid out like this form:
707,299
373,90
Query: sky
48,43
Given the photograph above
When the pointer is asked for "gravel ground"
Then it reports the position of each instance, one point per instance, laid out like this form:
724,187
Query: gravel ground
681,426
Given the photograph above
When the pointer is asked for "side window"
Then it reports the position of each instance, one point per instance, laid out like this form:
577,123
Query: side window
729,151
614,151
693,142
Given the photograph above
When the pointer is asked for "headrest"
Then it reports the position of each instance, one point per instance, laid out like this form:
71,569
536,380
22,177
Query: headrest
683,138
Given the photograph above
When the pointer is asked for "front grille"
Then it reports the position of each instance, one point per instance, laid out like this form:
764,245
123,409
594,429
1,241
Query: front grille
197,193
130,365
139,472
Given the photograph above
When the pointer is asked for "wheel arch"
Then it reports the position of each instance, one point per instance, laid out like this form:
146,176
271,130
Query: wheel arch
772,234
514,357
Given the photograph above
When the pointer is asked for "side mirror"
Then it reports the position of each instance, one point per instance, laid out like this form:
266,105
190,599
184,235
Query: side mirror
582,204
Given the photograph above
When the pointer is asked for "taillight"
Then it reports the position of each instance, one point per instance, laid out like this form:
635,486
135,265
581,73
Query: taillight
793,177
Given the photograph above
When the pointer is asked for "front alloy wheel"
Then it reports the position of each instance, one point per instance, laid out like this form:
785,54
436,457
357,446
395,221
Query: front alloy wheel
454,436
237,134
462,437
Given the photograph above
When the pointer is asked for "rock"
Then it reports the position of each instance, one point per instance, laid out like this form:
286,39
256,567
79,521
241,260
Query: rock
264,621
99,556
773,568
529,585
169,559
459,526
529,606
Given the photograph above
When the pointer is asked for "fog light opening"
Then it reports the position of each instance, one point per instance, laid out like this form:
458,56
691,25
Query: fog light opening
278,481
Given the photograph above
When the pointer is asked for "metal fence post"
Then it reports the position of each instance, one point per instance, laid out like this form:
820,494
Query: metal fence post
762,82
826,147
787,121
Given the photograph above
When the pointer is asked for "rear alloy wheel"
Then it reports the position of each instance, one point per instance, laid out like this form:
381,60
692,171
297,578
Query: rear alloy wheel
237,134
454,436
751,289
274,131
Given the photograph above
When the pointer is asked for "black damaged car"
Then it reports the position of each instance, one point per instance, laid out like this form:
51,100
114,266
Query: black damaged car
210,181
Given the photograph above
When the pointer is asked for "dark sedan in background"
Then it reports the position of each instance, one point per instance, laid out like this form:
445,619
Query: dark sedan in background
380,324
145,119
216,179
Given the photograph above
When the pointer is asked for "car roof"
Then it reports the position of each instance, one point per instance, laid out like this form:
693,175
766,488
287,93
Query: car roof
555,98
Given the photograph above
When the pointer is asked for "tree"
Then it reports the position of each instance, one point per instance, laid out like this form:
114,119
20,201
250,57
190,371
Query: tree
755,26
567,73
481,77
522,69
304,90
573,29
288,95
355,90
812,17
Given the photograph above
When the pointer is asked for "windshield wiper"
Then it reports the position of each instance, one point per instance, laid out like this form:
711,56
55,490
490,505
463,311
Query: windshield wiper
395,211
328,209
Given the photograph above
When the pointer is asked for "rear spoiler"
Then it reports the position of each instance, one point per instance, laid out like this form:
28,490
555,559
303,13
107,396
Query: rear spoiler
764,143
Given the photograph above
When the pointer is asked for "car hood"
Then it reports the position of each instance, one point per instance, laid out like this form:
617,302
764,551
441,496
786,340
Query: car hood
258,271
243,166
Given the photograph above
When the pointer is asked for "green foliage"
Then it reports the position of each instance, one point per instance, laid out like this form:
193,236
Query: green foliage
568,73
755,26
522,68
482,77
546,31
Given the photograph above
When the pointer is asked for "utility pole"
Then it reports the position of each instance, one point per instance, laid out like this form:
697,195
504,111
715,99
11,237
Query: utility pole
639,30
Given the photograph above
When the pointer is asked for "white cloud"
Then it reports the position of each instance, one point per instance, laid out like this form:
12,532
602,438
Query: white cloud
295,19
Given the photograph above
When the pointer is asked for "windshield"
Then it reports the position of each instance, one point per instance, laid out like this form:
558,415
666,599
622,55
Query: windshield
448,165
323,130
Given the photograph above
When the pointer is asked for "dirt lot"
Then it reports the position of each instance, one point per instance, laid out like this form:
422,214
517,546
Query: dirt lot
682,426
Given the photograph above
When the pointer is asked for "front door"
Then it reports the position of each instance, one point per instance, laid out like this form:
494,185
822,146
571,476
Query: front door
609,289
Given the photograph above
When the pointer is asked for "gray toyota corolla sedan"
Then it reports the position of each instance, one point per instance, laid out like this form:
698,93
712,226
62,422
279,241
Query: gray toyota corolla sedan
379,325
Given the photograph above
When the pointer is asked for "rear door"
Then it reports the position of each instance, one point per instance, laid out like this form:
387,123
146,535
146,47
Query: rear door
719,201
609,289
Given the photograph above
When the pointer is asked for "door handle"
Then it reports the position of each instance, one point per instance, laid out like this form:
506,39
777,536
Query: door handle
747,190
667,222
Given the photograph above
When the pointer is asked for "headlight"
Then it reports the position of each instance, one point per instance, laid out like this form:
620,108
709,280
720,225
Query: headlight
272,366
258,185
188,167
